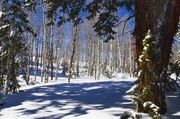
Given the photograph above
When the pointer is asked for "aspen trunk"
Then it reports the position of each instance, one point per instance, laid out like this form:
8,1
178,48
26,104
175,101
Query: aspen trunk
58,47
71,64
51,52
44,74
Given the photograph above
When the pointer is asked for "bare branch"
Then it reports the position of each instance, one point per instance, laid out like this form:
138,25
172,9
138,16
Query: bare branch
125,22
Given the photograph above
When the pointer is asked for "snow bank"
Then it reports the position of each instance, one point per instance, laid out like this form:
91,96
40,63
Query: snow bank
121,75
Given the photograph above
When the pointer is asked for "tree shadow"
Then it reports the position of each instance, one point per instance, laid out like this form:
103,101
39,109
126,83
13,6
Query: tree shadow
80,97
173,105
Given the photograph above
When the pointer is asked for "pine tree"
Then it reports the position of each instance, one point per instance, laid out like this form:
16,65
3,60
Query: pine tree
145,86
13,23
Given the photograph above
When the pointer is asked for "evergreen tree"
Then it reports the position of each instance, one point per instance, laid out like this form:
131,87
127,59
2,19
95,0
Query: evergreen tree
146,84
13,23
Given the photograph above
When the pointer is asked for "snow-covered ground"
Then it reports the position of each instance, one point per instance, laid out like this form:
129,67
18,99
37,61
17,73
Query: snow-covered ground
83,98
173,104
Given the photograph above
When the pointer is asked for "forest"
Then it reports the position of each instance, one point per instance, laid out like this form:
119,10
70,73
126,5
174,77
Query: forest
89,59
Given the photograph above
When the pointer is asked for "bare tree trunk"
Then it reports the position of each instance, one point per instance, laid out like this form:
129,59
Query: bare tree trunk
78,57
71,64
36,57
111,63
90,57
130,59
29,59
51,51
94,59
99,59
44,50
58,47
130,56
57,63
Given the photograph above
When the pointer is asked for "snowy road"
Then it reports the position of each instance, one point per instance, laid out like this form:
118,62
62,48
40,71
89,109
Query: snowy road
79,100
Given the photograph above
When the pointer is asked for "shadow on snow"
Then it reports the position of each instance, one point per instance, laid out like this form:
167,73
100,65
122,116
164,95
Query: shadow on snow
108,94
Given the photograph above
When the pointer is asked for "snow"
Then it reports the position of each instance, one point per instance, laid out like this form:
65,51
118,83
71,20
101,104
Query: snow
0,49
1,13
4,26
140,58
147,60
132,89
145,48
121,75
139,73
148,36
83,98
12,33
152,106
173,104
27,3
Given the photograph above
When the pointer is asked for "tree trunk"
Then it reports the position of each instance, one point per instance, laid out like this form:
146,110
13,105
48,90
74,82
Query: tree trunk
73,53
51,50
99,58
94,59
58,48
36,58
44,49
161,18
78,57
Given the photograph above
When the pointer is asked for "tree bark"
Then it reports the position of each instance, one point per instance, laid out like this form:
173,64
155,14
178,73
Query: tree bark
161,18
51,49
73,54
44,49
58,48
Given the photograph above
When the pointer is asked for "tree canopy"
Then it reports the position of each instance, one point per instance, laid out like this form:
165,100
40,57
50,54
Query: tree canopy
76,11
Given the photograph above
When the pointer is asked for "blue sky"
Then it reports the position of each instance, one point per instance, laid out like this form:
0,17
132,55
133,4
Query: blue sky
67,28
